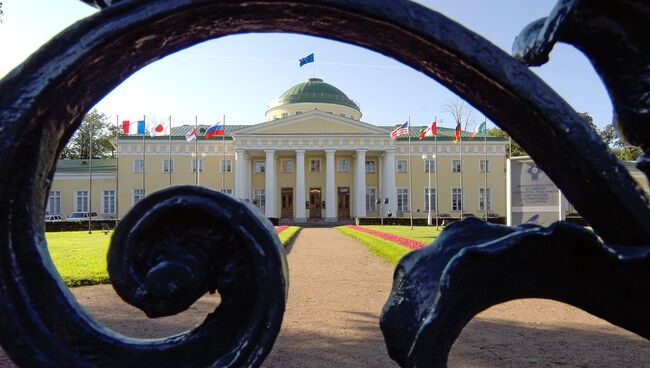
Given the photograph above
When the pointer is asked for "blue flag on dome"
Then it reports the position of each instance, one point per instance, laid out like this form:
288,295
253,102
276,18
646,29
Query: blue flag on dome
307,59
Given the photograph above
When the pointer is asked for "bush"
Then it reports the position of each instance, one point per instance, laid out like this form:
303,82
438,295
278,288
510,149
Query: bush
57,226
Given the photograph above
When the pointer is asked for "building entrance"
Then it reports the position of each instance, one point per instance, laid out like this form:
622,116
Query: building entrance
343,202
315,206
286,197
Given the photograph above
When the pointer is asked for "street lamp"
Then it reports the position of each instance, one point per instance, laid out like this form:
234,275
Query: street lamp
428,167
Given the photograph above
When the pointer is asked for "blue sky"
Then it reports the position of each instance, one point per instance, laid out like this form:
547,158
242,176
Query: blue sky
238,76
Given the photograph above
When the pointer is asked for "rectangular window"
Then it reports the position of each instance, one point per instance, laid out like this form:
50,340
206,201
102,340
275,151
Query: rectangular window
482,165
371,199
343,165
428,200
80,201
482,200
195,162
226,166
54,203
138,194
403,199
455,166
314,166
370,167
168,165
226,191
260,166
138,166
259,199
402,166
287,166
429,166
456,199
108,201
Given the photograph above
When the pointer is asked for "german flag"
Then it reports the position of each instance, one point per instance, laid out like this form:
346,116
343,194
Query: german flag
457,134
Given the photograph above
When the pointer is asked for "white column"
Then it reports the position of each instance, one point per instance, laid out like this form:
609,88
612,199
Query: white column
388,183
269,184
240,174
299,196
248,191
360,184
330,187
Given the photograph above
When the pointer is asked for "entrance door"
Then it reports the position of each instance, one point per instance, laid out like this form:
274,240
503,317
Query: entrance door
344,202
315,203
287,202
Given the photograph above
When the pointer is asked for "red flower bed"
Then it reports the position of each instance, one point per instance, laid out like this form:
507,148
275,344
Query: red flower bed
279,229
412,244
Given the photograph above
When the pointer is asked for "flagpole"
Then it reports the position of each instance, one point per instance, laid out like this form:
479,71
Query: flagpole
223,171
485,193
196,151
170,151
410,174
462,192
117,167
144,148
436,172
90,174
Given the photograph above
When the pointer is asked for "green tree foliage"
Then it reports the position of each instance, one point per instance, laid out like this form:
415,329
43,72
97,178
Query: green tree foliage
1,12
516,148
103,138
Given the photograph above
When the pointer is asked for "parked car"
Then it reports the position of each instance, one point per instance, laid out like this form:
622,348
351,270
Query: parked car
53,218
81,216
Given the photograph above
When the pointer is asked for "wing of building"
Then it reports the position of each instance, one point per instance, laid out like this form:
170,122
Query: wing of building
312,159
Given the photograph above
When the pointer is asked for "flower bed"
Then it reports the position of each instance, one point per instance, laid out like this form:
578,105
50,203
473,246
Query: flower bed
412,244
279,229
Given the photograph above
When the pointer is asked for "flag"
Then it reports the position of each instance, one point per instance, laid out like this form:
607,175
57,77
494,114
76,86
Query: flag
428,131
216,129
400,130
158,129
480,129
133,127
457,133
307,59
191,135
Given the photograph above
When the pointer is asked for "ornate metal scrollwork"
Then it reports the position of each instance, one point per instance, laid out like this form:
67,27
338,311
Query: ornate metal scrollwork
43,100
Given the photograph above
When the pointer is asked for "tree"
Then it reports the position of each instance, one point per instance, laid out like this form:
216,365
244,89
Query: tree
516,148
608,134
1,12
460,111
103,138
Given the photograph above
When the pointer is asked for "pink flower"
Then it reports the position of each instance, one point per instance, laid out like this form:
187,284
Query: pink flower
409,243
279,229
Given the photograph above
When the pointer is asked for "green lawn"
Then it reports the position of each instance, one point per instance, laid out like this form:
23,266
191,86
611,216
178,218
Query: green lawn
385,249
425,234
80,257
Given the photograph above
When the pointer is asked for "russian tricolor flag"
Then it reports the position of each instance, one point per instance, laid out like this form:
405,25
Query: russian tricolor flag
133,127
216,129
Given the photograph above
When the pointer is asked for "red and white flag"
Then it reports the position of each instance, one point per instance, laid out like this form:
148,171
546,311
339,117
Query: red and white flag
158,129
428,131
191,135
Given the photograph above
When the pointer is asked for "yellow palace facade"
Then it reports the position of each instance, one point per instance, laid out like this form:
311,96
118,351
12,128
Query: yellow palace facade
313,159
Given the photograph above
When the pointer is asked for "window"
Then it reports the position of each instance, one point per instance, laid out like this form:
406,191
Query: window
138,194
429,166
259,199
314,166
80,201
456,199
343,165
432,200
402,166
370,167
298,112
285,114
482,165
260,166
226,166
342,114
108,201
286,165
455,166
371,199
482,199
54,203
195,162
403,199
138,166
226,191
168,165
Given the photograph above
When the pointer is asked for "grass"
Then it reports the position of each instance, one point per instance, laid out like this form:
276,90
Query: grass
425,234
80,257
385,249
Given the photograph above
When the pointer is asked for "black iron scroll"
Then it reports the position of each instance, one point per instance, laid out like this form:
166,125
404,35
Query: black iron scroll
43,101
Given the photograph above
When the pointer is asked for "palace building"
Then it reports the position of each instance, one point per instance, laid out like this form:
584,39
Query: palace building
312,159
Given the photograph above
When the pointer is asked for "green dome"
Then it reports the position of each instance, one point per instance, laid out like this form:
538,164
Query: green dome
314,90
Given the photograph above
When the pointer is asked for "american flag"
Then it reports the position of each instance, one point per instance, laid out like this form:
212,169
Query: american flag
400,130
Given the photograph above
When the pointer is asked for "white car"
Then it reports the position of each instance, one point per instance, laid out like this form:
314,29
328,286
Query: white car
82,216
53,218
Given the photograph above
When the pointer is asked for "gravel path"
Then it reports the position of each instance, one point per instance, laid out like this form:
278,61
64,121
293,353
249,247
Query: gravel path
337,289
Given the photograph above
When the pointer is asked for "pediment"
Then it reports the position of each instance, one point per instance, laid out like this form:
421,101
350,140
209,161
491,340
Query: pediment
313,122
